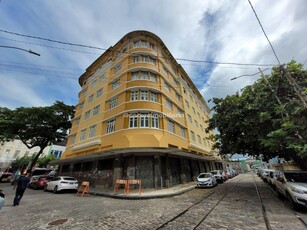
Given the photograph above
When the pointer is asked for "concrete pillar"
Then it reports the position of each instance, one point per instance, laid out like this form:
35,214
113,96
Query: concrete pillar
118,169
195,169
157,172
131,168
168,180
183,178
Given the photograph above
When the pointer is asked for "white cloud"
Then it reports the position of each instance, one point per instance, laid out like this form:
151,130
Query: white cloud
200,30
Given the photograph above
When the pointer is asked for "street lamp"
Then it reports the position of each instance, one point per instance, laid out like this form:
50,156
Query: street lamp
17,48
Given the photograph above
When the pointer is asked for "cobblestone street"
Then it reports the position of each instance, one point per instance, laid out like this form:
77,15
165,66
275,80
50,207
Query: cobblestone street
232,205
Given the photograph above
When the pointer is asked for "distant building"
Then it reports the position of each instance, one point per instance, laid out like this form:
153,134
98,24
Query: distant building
139,116
11,150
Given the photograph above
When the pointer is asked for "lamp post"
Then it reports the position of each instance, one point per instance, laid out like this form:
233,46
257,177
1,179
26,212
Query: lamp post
17,48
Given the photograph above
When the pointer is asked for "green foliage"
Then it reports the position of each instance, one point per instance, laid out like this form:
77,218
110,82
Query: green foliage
255,122
44,161
21,163
36,126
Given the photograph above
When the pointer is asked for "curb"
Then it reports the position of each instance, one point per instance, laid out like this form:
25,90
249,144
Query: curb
141,197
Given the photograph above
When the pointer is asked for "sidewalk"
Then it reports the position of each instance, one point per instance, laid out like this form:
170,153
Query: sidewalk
145,193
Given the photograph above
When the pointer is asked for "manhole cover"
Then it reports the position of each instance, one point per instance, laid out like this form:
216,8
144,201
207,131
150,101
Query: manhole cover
58,222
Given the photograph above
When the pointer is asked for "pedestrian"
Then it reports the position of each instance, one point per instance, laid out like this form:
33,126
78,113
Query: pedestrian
21,186
1,198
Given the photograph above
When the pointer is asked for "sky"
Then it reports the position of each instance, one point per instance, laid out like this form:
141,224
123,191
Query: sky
213,32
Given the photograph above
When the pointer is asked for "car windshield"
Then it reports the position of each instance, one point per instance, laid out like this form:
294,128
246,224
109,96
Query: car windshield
296,177
214,172
204,176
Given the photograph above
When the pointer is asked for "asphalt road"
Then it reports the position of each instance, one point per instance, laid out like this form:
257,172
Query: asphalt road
232,205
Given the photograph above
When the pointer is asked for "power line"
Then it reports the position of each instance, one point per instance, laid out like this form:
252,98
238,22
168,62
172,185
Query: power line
104,49
264,32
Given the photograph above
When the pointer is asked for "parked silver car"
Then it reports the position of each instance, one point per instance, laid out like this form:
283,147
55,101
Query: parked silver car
218,175
293,185
206,180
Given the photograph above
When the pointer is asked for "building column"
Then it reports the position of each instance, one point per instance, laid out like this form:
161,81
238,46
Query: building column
157,172
195,169
168,182
118,169
183,178
131,168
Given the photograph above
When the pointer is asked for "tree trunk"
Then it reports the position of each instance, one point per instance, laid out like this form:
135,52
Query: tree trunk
33,162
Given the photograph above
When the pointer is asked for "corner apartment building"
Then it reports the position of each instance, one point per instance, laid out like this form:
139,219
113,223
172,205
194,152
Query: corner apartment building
139,116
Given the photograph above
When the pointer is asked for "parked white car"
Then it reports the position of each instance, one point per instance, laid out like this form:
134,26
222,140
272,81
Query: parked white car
218,175
206,180
62,183
293,185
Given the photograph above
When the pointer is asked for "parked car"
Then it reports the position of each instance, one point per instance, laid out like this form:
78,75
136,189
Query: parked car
37,172
206,180
265,174
218,175
293,186
60,183
40,182
6,177
272,177
2,201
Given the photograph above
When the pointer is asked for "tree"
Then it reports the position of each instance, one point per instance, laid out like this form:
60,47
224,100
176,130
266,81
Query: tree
266,118
21,163
36,126
44,161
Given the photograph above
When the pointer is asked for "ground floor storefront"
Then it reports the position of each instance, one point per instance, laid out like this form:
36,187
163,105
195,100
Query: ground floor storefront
156,168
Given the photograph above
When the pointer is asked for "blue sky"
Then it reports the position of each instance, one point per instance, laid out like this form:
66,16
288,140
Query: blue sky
217,31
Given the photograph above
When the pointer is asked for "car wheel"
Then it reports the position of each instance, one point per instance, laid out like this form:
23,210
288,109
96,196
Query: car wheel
55,190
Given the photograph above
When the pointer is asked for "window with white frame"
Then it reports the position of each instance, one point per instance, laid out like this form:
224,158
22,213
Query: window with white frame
144,59
82,134
94,83
144,95
90,98
180,112
144,120
154,121
201,127
92,131
170,126
154,96
199,140
117,68
152,61
192,136
134,95
135,59
111,126
193,109
187,104
167,87
81,105
189,118
144,75
198,115
73,139
153,77
113,102
87,114
116,84
196,123
182,132
133,120
102,77
99,92
177,96
151,46
77,122
96,110
135,76
169,104
204,141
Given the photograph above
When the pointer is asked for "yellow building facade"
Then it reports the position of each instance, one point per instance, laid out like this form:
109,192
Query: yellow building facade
138,111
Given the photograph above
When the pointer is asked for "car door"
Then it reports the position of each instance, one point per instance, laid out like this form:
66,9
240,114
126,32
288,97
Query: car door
53,183
281,183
